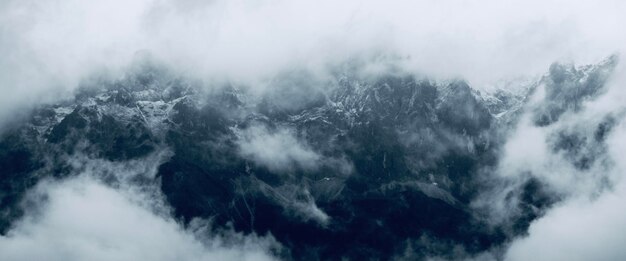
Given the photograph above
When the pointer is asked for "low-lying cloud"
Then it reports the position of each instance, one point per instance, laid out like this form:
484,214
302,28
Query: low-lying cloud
83,219
590,224
588,221
278,150
581,229
281,150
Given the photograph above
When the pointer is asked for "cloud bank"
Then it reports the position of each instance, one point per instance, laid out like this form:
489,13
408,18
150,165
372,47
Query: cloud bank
589,221
83,219
116,211
51,45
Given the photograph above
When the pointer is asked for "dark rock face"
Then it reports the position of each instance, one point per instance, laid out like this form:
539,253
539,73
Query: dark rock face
391,159
107,136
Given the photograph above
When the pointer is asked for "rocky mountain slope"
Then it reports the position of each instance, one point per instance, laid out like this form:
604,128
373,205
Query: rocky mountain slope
352,167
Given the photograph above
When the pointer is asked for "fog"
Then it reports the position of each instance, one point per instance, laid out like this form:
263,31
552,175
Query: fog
106,211
47,48
83,219
588,224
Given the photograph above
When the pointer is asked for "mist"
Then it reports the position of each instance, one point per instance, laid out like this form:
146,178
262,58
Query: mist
49,49
48,46
84,219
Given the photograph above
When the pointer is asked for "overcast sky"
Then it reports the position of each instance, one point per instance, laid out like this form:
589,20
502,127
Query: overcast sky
52,44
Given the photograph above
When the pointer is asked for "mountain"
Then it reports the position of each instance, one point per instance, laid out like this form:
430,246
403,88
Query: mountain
358,167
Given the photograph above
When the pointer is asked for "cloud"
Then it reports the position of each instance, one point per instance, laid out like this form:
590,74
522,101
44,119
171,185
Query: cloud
298,203
591,224
48,47
109,210
278,150
281,150
578,230
581,228
569,155
83,219
588,221
51,45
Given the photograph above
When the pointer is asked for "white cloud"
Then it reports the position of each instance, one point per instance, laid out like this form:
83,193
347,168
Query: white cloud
279,150
47,45
577,230
529,152
50,45
82,219
582,228
590,223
